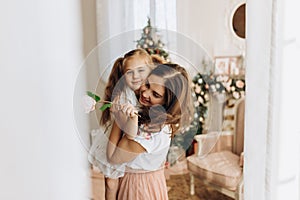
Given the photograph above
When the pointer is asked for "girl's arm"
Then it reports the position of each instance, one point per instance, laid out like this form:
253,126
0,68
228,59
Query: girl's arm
123,113
121,149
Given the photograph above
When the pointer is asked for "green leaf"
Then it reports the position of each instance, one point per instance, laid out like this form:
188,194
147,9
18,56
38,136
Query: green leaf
105,106
94,96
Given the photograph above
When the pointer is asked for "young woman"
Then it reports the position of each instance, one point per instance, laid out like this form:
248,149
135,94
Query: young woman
127,75
167,108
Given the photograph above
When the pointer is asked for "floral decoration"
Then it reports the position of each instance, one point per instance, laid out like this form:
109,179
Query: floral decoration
205,85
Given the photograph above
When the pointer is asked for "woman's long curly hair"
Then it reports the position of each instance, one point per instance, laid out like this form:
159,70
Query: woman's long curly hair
178,108
116,77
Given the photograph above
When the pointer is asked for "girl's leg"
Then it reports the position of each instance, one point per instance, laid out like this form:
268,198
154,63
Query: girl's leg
111,188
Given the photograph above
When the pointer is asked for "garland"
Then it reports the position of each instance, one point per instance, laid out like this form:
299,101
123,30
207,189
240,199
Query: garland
206,85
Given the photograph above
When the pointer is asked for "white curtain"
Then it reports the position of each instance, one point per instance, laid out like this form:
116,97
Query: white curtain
119,25
117,16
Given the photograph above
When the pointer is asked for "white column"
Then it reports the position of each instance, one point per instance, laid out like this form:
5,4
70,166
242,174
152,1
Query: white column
40,55
272,103
287,177
258,50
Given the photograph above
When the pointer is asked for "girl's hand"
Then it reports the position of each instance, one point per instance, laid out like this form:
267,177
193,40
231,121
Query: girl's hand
129,110
115,105
130,125
119,116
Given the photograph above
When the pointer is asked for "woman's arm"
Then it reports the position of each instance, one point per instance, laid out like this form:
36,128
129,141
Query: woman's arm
121,149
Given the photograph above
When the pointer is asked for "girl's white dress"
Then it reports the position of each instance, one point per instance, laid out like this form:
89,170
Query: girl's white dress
97,152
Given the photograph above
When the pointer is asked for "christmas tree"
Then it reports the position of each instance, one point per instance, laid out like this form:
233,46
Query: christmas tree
150,41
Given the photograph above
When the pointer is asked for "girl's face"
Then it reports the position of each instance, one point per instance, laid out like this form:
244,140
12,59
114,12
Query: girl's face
136,71
152,92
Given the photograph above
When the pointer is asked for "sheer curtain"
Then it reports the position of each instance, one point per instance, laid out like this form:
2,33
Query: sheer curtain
119,25
116,16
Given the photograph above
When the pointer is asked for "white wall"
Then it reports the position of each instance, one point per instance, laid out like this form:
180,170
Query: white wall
208,24
41,51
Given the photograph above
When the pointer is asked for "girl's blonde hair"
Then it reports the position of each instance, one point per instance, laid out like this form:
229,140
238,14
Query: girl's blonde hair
116,74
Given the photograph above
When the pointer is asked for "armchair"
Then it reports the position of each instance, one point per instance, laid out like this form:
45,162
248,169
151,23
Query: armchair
219,160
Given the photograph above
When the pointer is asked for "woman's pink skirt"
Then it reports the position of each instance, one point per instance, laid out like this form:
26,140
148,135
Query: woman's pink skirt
143,186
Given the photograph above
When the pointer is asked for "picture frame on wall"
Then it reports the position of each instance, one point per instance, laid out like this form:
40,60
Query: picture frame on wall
222,66
228,65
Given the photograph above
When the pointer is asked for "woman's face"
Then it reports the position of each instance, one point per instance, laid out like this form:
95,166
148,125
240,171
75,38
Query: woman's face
136,71
152,92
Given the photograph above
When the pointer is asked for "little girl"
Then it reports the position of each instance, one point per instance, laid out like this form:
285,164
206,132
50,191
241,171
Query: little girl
166,103
126,77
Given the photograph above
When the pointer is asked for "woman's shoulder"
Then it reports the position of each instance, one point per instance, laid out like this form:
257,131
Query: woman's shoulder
166,129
